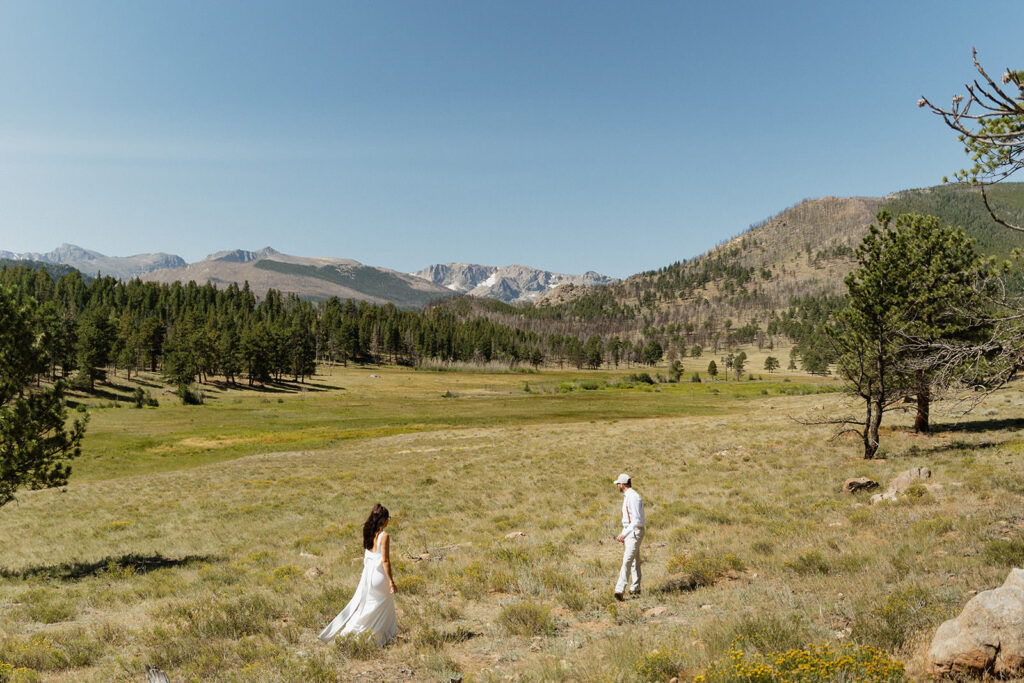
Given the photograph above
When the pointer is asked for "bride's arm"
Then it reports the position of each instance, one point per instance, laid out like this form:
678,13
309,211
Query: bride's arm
385,551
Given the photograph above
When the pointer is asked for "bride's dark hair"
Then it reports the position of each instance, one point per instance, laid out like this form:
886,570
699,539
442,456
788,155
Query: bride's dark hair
374,523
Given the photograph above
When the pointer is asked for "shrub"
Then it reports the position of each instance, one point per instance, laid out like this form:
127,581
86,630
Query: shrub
659,665
287,572
411,585
59,652
701,569
1004,553
917,492
471,581
577,601
558,579
641,378
315,612
591,384
242,616
11,674
191,395
430,637
512,556
902,614
811,562
623,614
813,663
695,378
527,619
769,632
49,606
443,667
358,645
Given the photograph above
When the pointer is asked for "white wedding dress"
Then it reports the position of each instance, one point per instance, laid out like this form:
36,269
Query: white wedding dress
372,608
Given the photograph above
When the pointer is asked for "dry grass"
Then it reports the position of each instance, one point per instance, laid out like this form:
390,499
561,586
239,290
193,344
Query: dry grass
194,558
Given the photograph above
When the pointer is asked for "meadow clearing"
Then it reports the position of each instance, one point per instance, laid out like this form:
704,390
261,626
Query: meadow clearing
215,541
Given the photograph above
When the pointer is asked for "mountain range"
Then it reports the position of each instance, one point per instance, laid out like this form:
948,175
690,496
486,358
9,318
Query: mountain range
93,263
807,249
511,284
319,278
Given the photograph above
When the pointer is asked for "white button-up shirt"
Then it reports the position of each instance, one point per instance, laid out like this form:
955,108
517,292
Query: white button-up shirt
632,511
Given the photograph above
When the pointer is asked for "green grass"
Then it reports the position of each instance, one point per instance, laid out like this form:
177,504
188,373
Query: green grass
349,404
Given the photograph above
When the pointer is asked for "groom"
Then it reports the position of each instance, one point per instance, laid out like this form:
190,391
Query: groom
632,534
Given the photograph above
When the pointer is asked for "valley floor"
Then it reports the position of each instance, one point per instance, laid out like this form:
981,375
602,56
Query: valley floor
215,541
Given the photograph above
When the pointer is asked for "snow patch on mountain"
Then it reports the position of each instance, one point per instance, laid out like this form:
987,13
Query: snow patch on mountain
511,284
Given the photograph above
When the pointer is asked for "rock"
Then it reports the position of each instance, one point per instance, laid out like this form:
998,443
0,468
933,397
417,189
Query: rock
313,572
654,612
904,480
516,534
674,679
859,484
307,555
988,636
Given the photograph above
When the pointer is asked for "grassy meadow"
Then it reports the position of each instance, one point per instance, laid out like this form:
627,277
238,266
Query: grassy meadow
215,541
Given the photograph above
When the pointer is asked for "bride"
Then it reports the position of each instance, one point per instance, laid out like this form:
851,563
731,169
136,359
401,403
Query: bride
372,608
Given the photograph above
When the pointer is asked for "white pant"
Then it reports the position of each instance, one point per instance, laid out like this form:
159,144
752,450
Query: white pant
630,562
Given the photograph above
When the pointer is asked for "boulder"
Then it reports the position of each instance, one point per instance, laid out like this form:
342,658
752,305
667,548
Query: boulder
988,636
313,572
859,484
904,480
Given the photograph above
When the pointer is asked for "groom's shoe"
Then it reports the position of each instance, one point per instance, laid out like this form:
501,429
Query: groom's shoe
618,596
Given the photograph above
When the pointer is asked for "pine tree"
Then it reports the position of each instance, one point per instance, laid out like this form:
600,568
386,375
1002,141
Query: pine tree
35,441
910,291
593,352
92,351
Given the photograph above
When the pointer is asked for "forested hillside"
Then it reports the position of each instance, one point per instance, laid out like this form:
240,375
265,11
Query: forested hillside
777,277
56,270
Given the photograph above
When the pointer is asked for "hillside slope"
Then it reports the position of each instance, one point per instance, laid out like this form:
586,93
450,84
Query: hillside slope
781,276
310,278
806,250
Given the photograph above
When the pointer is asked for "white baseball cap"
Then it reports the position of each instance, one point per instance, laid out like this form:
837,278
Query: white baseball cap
622,479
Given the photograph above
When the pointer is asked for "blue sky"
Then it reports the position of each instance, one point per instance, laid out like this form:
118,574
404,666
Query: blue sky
570,136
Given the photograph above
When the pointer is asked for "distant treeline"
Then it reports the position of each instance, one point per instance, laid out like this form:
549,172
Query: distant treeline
191,332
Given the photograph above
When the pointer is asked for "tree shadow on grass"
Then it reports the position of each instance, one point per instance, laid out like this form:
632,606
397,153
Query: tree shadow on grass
974,426
109,393
957,445
78,570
